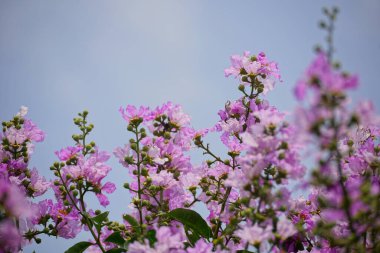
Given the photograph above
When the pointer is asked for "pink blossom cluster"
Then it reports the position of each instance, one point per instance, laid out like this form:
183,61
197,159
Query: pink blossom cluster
346,180
17,181
162,176
257,196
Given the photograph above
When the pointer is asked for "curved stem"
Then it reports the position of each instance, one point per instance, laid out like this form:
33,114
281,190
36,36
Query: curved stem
138,178
82,212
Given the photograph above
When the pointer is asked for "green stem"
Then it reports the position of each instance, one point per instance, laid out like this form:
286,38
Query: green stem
138,178
82,212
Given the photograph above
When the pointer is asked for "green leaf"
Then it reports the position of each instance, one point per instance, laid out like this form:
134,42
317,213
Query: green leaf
192,220
100,218
116,250
131,220
151,236
79,247
192,236
115,238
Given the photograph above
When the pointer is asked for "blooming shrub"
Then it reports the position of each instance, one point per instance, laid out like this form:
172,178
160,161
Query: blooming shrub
258,194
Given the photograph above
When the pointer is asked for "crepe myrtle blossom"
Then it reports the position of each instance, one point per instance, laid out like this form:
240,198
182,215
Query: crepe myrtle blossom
68,152
91,169
255,235
347,172
16,148
254,192
321,77
168,240
14,207
247,67
10,237
131,113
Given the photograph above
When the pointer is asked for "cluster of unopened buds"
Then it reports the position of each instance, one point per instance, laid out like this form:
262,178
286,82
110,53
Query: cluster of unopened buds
257,196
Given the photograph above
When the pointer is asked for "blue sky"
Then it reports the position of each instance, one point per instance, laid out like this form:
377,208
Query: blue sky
60,57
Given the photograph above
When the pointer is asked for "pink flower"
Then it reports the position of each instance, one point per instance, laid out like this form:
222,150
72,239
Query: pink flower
255,234
131,112
10,237
108,188
285,228
38,183
68,152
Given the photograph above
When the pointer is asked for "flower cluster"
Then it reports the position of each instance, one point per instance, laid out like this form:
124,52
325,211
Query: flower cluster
17,145
348,173
257,195
162,176
17,181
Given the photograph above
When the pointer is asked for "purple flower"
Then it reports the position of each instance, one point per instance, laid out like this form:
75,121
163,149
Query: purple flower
68,152
132,113
10,237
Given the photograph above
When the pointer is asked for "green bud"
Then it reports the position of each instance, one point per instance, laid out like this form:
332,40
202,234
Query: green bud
75,193
244,79
133,146
144,172
136,201
128,159
167,135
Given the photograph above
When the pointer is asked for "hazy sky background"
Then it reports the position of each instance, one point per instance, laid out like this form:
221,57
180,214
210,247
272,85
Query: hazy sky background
60,57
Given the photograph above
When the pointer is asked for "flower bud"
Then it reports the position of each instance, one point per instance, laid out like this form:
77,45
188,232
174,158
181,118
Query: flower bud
144,172
167,135
133,146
